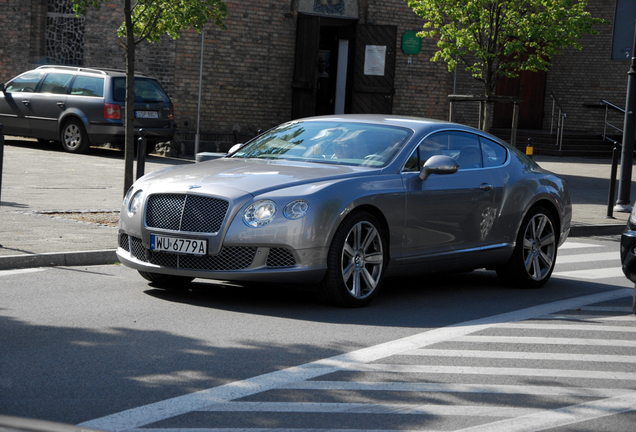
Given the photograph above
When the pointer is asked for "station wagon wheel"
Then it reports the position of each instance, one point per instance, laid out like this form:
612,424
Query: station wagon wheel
356,262
535,252
168,282
74,137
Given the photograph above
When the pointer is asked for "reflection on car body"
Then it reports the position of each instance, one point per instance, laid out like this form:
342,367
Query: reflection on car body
408,195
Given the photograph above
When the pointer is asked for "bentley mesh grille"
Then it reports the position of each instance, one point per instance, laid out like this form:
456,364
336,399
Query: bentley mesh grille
230,258
280,257
189,213
124,243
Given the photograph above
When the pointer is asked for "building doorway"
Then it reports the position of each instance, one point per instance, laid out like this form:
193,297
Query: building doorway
332,73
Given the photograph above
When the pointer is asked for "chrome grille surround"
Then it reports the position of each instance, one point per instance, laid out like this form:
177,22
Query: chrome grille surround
190,213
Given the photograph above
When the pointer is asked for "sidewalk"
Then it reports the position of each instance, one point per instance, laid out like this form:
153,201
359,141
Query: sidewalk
43,189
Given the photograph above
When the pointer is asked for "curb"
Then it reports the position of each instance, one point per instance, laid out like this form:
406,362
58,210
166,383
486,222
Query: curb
68,259
594,230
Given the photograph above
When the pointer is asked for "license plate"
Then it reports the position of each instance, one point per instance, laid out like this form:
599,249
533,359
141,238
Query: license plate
147,114
161,243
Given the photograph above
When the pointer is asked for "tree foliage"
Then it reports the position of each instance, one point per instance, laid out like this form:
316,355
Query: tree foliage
500,38
149,20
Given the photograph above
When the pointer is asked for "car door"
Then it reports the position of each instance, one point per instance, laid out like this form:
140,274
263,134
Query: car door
448,214
48,103
15,103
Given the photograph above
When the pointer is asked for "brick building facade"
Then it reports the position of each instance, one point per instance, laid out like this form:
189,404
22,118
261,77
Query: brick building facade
257,74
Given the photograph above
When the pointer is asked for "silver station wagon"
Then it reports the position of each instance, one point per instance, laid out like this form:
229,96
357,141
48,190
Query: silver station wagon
341,202
80,107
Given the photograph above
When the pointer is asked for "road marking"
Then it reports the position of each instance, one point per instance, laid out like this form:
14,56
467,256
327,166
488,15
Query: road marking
593,257
372,408
584,327
495,371
576,245
457,388
550,419
547,341
591,274
201,400
21,271
427,352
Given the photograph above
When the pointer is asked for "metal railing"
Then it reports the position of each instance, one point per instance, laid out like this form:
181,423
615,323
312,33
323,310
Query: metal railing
609,105
560,120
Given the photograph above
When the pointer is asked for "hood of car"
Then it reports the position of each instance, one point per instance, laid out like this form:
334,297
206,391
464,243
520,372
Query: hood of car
235,177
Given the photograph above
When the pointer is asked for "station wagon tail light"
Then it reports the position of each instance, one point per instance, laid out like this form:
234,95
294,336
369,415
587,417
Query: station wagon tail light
112,111
171,112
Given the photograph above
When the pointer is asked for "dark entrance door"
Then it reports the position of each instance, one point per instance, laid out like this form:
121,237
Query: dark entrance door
321,65
374,69
531,87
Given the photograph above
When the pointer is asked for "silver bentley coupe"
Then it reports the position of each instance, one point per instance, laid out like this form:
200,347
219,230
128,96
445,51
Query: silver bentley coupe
338,203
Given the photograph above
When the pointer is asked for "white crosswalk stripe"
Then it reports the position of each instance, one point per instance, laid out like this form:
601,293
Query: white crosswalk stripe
579,355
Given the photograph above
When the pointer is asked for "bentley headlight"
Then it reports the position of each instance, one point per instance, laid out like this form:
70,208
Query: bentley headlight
135,203
296,209
259,213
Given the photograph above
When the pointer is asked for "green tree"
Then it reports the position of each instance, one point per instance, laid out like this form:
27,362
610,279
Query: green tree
149,20
500,38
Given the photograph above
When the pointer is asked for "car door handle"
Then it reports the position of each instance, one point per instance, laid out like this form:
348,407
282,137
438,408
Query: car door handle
26,101
60,104
486,187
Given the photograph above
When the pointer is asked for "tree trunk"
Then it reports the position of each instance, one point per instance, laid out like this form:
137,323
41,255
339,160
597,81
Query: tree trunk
129,143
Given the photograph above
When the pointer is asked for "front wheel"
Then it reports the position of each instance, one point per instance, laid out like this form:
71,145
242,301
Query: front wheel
356,262
74,137
169,282
535,252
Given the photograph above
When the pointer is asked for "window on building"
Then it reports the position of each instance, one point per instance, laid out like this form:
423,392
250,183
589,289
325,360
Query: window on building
64,34
623,40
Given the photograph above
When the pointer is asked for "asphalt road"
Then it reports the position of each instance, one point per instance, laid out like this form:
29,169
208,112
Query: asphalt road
100,347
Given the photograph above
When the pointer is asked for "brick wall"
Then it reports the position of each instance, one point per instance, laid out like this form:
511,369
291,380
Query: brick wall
15,37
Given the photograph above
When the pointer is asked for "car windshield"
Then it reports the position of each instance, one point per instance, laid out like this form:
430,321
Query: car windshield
332,142
146,90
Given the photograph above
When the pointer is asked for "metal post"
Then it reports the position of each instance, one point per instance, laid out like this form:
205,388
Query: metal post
605,126
1,161
552,117
196,137
624,204
141,153
612,186
515,122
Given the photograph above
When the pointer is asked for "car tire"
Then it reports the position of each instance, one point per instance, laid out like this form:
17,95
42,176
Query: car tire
535,251
356,262
74,137
169,282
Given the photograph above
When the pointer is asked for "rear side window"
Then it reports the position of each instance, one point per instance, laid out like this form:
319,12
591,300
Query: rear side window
146,90
57,83
88,86
493,153
24,84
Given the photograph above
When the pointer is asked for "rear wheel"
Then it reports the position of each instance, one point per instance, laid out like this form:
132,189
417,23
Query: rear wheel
74,137
535,252
356,262
165,281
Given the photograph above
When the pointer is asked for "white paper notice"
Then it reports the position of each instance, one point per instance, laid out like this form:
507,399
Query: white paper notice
374,60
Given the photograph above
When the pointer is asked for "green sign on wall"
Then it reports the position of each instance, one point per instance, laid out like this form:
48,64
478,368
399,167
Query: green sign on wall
411,44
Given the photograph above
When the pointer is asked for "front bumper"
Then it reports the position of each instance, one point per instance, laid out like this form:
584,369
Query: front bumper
628,253
240,264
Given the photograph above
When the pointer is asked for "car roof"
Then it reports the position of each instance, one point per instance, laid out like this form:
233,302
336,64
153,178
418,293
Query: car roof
89,70
417,124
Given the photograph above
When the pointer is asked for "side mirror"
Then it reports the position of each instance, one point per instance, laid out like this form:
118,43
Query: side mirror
439,165
235,148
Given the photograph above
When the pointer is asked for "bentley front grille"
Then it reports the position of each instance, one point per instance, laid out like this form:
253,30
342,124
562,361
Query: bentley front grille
191,213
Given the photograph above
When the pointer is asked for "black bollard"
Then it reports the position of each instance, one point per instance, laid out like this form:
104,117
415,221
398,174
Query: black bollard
612,187
1,160
141,153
